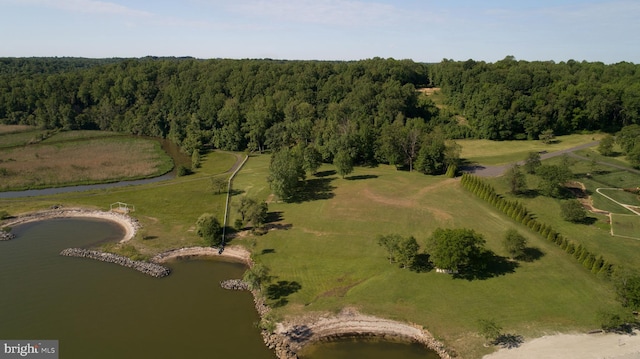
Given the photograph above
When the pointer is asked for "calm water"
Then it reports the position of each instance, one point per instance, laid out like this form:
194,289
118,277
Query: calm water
101,310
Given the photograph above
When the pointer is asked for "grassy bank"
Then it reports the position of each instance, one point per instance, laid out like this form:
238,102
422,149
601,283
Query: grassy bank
327,258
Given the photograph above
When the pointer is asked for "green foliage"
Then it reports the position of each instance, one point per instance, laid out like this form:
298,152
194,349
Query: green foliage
312,159
552,179
532,162
451,171
547,136
573,211
616,321
218,184
407,251
628,137
256,276
4,215
195,159
285,174
183,171
627,284
514,243
208,228
516,179
454,248
343,163
605,147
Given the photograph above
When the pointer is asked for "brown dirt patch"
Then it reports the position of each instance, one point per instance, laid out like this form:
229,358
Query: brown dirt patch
428,90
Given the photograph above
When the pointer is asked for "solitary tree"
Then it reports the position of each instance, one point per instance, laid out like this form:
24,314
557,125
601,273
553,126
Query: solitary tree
343,163
256,275
514,243
218,184
285,173
208,228
547,136
532,162
516,179
407,251
552,178
454,248
573,211
489,329
605,147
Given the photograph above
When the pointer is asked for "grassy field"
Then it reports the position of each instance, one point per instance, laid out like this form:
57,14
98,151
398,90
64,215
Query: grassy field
626,225
69,159
500,152
328,251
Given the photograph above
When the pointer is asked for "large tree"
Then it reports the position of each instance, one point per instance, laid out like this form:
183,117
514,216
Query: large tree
516,179
514,243
343,163
453,249
552,179
573,211
285,174
208,228
532,162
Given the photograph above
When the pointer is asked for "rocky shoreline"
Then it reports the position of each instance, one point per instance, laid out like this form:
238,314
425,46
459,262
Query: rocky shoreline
6,236
152,269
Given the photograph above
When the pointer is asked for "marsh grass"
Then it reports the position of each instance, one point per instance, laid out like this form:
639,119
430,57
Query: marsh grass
81,162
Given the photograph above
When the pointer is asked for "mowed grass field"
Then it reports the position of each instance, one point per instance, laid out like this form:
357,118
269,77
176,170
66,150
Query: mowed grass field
81,157
488,152
626,225
330,251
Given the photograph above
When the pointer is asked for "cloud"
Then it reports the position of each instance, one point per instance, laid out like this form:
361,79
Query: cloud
90,7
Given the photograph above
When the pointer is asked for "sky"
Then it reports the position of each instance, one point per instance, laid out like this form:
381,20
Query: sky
421,30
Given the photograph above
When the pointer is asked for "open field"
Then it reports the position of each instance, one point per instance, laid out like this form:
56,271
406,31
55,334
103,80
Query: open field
500,152
329,252
627,226
81,162
14,128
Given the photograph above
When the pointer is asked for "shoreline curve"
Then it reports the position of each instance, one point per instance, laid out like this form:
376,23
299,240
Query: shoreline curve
130,224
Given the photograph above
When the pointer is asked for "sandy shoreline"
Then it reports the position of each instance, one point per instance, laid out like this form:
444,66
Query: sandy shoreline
231,252
575,346
129,224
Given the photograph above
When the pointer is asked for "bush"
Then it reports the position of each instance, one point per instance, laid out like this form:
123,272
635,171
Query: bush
573,211
183,171
4,215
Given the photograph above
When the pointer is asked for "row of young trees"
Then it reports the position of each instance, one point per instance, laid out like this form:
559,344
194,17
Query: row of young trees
512,99
517,211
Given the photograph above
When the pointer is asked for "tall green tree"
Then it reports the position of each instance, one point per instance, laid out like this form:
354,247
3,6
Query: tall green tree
286,174
514,243
573,211
516,179
532,162
453,249
605,147
343,163
552,179
208,228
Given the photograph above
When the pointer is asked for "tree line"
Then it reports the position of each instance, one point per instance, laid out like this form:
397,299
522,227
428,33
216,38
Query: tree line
512,99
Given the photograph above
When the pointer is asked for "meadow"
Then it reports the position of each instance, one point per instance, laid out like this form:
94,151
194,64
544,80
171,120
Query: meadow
78,157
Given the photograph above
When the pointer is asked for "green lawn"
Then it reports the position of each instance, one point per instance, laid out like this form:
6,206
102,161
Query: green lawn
488,152
626,226
330,251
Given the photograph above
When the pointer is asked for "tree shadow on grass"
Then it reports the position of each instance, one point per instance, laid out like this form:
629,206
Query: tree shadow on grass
315,189
487,265
531,254
360,177
274,217
509,341
278,292
325,173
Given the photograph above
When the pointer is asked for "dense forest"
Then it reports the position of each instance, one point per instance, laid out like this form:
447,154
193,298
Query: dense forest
369,109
